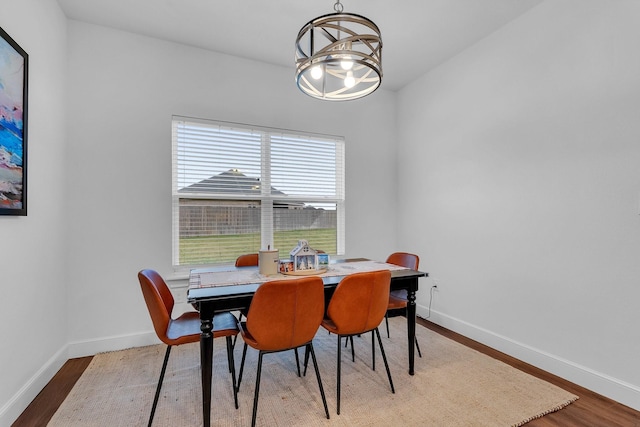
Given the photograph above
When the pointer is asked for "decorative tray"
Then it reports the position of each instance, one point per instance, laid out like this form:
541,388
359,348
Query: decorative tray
305,272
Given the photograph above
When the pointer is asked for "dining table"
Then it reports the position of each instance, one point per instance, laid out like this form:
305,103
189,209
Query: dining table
227,288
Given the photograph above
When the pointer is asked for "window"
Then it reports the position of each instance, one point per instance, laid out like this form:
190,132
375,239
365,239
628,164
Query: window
239,188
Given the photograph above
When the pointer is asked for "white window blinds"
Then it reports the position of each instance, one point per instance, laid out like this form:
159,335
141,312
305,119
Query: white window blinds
239,188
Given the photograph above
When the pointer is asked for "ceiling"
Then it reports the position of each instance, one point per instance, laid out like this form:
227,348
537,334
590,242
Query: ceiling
417,35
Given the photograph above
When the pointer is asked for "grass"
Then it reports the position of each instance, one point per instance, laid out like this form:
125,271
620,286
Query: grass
226,248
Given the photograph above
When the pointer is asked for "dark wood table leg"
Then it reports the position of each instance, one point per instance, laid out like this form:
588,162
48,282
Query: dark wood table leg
411,327
206,361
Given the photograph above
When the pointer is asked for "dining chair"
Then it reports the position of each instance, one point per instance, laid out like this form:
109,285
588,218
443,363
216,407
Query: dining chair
251,260
247,260
184,329
398,299
283,315
357,306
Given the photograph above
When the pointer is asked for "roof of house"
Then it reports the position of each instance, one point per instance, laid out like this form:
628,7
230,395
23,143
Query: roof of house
231,181
235,182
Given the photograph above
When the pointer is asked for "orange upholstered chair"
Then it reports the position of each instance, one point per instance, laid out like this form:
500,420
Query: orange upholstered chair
357,306
283,315
251,260
182,330
398,299
247,260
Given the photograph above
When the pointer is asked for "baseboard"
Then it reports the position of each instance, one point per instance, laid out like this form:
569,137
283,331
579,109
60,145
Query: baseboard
613,388
113,343
19,402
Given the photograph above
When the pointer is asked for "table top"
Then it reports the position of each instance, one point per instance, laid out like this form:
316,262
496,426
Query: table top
231,281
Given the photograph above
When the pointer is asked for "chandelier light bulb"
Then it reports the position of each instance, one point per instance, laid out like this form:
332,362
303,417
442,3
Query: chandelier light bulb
316,72
346,64
349,81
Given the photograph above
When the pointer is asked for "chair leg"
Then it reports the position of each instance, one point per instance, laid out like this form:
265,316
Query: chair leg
353,351
306,361
309,349
384,357
257,392
232,369
418,348
338,373
244,355
386,319
373,351
295,350
236,337
155,399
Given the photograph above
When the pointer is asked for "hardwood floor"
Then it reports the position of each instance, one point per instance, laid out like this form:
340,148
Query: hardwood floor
590,410
47,402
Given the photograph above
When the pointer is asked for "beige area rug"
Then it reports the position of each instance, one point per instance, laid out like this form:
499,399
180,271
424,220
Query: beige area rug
453,385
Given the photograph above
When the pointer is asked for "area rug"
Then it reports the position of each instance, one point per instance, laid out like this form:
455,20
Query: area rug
453,385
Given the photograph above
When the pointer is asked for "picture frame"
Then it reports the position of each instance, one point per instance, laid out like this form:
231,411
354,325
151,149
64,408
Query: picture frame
14,72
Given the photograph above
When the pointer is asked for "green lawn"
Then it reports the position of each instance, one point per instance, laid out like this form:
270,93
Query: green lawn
226,248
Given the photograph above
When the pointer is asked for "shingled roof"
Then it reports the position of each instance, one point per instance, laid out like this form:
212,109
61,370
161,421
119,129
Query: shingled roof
231,181
235,182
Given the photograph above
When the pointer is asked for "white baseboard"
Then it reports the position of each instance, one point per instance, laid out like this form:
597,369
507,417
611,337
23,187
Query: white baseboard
19,402
113,343
613,388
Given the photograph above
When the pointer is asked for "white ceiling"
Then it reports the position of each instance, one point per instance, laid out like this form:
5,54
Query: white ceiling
417,35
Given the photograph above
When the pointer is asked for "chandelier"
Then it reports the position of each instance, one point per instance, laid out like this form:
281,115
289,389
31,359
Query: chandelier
339,56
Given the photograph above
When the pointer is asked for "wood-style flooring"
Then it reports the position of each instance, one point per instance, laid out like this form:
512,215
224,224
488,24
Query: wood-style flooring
591,409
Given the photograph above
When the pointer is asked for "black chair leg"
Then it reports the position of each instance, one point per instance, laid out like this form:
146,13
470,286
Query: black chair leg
244,355
306,361
384,357
295,350
338,374
155,399
386,319
353,351
373,351
257,392
236,337
232,369
309,349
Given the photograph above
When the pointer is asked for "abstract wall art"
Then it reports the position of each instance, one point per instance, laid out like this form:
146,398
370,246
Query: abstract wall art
14,64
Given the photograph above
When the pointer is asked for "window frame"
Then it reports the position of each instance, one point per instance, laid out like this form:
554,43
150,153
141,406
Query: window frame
267,198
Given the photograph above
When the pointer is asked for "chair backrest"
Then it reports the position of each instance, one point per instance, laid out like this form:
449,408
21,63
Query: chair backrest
404,259
286,313
360,301
247,260
159,301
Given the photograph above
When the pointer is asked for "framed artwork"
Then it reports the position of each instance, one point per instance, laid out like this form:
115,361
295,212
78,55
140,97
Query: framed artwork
14,67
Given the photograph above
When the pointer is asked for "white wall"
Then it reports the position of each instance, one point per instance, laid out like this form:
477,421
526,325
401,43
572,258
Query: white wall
124,90
33,291
100,180
519,180
517,184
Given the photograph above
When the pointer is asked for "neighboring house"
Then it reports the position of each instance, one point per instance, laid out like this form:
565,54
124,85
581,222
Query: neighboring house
206,217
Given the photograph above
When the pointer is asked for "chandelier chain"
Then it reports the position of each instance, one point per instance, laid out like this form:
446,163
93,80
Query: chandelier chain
338,7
